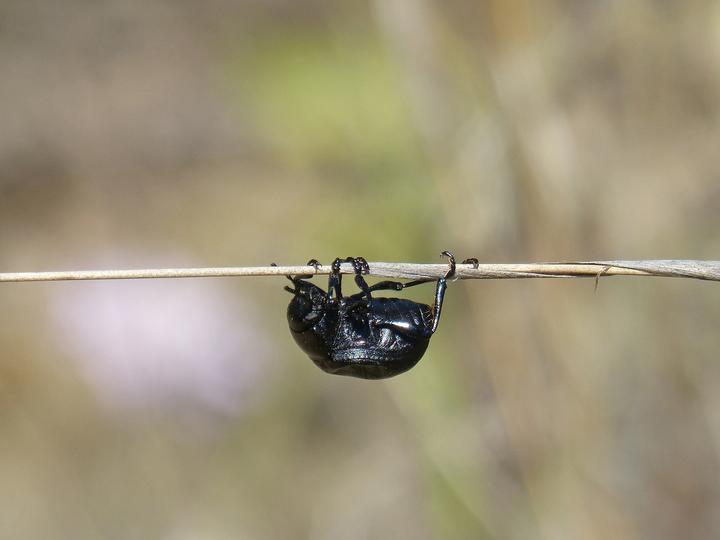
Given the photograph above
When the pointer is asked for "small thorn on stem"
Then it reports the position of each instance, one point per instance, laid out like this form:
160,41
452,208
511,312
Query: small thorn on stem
599,274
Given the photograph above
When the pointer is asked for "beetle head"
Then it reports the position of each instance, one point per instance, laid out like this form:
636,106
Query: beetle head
307,306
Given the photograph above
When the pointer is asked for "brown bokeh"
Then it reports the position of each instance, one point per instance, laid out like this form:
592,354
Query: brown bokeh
140,134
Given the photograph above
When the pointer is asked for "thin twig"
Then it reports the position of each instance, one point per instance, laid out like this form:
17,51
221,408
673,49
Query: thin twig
707,270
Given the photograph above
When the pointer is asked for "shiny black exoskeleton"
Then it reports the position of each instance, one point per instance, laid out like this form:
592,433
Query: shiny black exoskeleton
359,335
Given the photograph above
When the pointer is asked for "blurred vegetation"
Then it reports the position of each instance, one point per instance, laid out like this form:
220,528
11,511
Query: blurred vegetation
239,133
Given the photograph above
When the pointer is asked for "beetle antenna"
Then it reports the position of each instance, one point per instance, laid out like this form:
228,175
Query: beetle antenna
290,290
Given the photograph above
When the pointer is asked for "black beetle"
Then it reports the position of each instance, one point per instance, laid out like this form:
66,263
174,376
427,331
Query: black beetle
359,335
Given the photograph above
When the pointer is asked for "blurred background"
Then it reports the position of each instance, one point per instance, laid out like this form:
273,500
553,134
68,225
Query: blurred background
140,134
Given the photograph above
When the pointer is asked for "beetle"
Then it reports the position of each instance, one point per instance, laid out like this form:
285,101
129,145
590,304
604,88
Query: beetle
360,335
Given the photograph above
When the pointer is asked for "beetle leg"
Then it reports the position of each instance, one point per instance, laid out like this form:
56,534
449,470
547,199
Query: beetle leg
381,286
416,282
437,307
360,262
448,275
361,267
440,290
451,261
388,286
335,280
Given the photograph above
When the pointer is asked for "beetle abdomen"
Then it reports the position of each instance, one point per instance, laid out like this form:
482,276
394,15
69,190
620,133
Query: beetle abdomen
368,364
371,363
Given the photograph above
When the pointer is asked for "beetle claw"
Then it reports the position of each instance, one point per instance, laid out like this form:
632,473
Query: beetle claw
451,260
472,261
362,264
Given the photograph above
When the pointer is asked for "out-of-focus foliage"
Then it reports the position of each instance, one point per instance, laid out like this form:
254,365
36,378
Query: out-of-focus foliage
181,133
